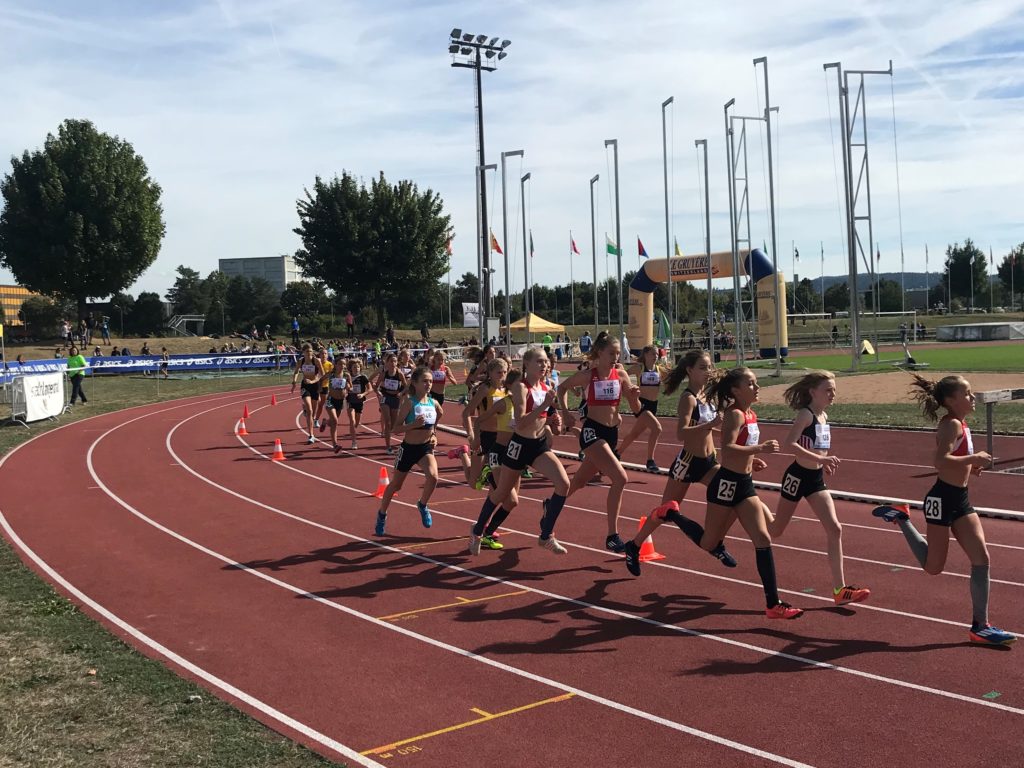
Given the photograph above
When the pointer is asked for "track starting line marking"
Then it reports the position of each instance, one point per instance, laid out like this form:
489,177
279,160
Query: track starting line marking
385,751
458,601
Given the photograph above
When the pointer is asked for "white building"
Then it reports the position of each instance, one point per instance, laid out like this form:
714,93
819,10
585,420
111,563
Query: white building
276,270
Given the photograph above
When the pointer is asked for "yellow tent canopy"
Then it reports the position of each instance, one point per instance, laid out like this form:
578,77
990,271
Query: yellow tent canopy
532,323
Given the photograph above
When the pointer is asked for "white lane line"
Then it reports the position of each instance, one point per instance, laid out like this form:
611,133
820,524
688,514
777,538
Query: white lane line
659,564
349,754
600,608
149,642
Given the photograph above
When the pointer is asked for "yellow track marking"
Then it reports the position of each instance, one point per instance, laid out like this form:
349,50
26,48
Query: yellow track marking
458,601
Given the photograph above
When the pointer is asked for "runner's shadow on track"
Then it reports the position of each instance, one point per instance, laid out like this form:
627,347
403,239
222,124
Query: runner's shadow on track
819,649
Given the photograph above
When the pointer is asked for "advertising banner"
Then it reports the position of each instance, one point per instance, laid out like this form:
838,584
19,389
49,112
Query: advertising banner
44,395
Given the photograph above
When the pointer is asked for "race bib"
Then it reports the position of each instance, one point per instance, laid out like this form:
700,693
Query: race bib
706,413
791,484
339,383
968,440
307,368
607,389
650,379
438,375
357,387
933,508
392,385
822,437
753,434
726,490
428,412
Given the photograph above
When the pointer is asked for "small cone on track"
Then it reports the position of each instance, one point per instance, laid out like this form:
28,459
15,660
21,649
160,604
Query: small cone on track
242,431
278,451
245,411
273,399
382,483
647,550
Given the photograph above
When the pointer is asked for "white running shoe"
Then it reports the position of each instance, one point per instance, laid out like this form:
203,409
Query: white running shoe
354,446
310,440
552,545
316,423
474,542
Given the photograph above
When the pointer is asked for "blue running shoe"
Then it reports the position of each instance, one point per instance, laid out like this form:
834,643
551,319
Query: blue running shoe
424,514
989,635
723,554
891,514
382,518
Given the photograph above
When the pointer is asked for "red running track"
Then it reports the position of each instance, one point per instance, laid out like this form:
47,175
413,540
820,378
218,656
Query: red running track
261,581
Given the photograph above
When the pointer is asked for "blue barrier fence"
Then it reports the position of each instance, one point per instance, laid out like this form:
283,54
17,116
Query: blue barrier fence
176,364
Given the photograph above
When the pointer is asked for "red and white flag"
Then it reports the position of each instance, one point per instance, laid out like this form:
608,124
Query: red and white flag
573,244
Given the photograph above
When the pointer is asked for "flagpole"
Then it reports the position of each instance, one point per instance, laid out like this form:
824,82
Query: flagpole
449,300
903,290
970,266
668,244
927,280
793,254
991,303
822,275
593,251
572,287
607,282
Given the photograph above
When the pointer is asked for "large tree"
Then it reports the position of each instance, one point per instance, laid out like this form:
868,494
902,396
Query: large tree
82,217
1013,263
386,241
147,314
188,294
961,262
302,299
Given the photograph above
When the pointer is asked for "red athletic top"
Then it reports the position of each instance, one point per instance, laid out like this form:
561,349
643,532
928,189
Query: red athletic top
964,446
535,396
750,433
607,392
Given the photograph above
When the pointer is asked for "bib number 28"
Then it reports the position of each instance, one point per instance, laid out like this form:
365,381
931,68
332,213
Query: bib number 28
933,508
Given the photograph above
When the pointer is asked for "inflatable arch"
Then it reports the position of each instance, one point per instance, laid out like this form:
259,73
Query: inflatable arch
769,285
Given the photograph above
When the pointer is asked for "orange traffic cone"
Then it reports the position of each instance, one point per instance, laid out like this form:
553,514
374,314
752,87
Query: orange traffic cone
273,399
245,411
647,550
382,483
278,451
242,432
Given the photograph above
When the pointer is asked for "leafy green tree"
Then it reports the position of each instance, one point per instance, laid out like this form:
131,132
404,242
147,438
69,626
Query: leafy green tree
807,298
82,217
147,315
837,298
42,315
959,269
387,242
302,299
121,307
889,298
249,302
188,295
1013,262
215,291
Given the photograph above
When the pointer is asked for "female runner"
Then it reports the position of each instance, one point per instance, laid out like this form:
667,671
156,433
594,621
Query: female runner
310,371
810,440
529,446
328,366
947,507
417,416
697,461
440,376
390,384
649,379
606,381
356,398
339,386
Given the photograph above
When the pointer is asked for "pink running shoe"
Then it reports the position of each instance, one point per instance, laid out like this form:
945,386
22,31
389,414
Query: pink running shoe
456,452
783,611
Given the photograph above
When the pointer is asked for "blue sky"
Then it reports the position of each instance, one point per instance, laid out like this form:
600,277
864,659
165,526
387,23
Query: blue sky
237,106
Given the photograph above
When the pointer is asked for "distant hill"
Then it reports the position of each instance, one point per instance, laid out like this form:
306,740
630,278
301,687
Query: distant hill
911,280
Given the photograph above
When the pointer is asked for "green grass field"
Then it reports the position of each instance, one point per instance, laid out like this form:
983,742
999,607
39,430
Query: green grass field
996,358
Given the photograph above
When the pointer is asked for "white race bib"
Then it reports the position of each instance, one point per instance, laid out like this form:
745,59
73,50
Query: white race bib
392,385
705,413
339,383
607,389
650,379
968,440
438,375
822,437
307,368
753,434
428,412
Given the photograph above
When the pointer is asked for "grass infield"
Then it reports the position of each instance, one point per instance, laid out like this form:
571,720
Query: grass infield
995,358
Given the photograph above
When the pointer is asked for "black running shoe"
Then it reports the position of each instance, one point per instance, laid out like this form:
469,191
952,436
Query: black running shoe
614,543
723,554
652,465
632,553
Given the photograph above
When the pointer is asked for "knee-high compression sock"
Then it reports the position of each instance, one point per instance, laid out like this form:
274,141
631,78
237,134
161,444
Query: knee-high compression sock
500,515
917,543
694,531
552,509
766,570
485,514
979,594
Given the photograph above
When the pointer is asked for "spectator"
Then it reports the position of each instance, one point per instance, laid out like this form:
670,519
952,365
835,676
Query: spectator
97,352
116,351
125,352
295,331
266,333
90,326
350,321
835,335
164,360
547,341
425,331
145,349
105,331
586,343
389,335
76,372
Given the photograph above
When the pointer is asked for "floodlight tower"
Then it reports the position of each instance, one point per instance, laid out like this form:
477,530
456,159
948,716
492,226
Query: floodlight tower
480,54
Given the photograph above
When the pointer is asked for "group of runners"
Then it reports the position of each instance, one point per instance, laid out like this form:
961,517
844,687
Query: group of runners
513,412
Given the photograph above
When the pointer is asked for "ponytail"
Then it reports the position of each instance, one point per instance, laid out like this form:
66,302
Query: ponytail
798,395
931,395
720,388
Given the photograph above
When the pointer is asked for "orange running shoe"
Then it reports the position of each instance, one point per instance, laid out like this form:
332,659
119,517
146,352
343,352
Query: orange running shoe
850,594
783,611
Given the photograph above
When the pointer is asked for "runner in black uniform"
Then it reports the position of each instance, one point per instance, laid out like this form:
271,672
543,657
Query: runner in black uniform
310,371
356,397
649,380
390,385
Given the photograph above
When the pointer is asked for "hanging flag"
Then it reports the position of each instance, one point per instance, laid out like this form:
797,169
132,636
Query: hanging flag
796,254
531,243
494,244
662,330
613,249
679,253
974,257
573,245
449,246
878,254
640,248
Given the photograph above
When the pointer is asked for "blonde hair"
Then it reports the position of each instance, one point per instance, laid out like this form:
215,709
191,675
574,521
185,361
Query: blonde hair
798,394
931,395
